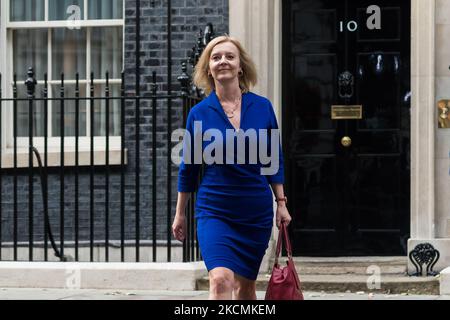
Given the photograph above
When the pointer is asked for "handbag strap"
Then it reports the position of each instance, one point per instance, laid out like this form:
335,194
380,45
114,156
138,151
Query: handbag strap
283,234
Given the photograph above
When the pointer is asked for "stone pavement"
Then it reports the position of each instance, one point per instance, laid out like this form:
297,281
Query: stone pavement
91,294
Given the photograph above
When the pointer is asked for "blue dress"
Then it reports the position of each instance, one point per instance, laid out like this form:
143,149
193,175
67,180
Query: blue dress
234,207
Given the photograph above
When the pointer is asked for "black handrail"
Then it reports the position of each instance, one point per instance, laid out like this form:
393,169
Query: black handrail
46,217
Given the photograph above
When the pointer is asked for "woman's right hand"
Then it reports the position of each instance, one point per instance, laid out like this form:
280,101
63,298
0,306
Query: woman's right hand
179,227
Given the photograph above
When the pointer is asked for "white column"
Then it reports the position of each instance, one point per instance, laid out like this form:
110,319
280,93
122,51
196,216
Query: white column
257,25
442,146
423,119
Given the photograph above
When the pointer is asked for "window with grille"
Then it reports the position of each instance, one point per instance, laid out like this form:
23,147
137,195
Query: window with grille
64,37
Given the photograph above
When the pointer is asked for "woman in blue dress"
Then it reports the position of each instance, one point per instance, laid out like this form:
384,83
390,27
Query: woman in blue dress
234,207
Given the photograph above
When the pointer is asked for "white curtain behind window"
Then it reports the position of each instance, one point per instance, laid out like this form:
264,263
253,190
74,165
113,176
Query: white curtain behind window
69,111
105,9
106,52
68,53
100,111
27,10
23,112
30,50
68,57
57,9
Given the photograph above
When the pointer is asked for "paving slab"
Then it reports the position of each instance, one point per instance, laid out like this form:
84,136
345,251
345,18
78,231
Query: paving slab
92,294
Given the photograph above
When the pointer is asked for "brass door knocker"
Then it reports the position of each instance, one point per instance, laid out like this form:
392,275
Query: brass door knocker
345,82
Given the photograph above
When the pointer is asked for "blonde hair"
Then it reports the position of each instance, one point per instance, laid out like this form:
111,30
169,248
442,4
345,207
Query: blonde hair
247,80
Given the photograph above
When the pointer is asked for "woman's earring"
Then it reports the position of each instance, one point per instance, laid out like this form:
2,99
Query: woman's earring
241,72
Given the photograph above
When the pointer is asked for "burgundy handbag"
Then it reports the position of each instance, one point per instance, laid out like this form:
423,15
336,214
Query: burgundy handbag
284,283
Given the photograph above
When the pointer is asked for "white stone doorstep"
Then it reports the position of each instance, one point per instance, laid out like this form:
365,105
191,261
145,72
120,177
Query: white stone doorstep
101,275
444,280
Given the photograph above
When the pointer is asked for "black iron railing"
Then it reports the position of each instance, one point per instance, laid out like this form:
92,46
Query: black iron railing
92,200
97,203
88,196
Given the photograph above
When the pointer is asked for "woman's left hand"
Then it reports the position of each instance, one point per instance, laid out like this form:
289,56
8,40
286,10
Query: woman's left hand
282,215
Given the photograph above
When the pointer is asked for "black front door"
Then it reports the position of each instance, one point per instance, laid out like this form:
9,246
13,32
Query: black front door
347,171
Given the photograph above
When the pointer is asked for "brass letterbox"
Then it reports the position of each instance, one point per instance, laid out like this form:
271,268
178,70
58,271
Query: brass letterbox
342,112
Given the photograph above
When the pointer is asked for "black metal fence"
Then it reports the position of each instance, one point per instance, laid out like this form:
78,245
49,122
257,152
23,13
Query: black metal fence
41,169
35,179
